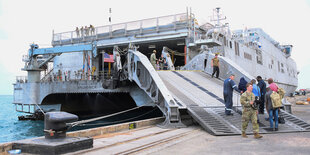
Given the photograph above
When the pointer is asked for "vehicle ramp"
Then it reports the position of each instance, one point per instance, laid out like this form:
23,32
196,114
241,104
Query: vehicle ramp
203,97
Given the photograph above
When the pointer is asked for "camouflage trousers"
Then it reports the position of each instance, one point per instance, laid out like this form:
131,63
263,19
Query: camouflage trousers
154,65
247,115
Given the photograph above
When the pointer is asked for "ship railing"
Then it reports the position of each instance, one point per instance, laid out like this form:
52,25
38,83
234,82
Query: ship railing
47,76
25,58
139,27
26,108
21,79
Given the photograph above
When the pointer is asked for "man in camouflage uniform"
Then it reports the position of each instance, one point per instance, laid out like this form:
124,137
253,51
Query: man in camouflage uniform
248,113
153,59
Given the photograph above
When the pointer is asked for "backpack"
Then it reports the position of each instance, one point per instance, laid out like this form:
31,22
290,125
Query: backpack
276,100
281,92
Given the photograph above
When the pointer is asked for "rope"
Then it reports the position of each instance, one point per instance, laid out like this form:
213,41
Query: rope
98,118
118,121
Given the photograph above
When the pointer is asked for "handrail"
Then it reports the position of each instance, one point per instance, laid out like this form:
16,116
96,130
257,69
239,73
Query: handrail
128,22
59,38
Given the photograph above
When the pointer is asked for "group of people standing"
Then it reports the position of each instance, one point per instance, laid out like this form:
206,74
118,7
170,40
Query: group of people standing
85,31
255,97
160,63
253,100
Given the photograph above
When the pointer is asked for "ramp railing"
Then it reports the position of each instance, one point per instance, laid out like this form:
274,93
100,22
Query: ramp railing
141,71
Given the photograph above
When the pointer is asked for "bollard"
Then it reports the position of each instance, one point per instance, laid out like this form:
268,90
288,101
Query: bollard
55,124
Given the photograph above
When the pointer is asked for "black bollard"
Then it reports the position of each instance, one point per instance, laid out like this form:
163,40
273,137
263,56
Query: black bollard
55,124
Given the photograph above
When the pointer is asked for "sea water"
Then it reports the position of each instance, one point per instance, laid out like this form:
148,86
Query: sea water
11,129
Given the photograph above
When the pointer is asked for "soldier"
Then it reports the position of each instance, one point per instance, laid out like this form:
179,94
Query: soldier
229,86
153,59
215,63
248,113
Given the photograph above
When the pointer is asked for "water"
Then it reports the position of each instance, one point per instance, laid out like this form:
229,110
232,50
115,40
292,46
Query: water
11,129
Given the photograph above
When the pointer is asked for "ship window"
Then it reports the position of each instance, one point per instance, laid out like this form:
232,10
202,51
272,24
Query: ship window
259,57
248,56
278,66
237,48
224,41
281,64
271,61
230,44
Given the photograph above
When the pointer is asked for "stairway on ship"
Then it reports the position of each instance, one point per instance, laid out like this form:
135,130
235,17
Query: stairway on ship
203,97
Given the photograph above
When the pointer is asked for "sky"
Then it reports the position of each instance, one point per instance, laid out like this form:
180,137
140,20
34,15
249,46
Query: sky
24,22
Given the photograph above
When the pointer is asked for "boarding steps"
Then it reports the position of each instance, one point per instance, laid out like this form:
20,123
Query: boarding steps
203,97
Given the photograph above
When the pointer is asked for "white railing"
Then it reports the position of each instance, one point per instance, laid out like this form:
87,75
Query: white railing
171,22
21,79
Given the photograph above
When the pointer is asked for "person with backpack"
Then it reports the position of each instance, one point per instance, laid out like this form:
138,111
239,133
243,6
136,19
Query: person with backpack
272,111
273,86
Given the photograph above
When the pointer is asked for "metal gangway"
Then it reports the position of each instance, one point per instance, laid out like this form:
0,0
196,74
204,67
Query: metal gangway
203,98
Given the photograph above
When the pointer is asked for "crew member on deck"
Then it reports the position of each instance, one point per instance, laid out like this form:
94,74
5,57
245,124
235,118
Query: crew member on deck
215,63
153,59
229,86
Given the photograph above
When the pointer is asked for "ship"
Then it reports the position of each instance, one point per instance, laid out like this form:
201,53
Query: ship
106,69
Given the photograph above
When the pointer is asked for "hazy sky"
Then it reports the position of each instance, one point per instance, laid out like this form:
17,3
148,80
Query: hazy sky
23,22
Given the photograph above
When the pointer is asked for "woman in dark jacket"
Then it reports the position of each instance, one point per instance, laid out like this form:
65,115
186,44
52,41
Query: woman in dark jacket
242,84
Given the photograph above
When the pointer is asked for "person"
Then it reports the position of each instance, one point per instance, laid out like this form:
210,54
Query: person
262,86
157,65
153,59
161,62
273,86
242,84
165,64
86,29
77,32
93,70
248,113
273,112
256,92
229,87
82,31
215,63
92,29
